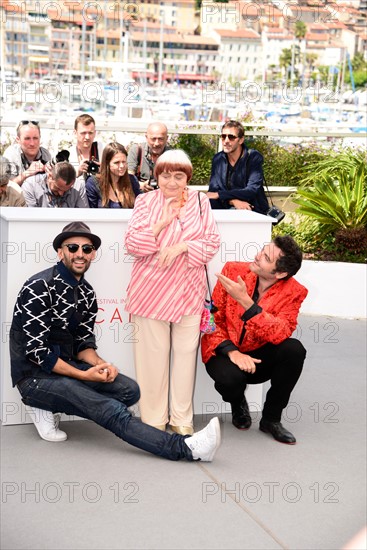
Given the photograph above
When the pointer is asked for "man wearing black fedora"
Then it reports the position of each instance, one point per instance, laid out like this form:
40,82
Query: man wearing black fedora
56,367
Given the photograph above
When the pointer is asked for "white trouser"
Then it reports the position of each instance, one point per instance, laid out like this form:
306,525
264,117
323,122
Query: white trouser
165,362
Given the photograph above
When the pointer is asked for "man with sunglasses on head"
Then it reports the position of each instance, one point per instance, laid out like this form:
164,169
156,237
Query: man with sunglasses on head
236,179
26,155
56,367
8,195
55,189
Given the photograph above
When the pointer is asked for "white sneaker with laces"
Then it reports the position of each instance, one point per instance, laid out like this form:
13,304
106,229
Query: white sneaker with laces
204,444
47,425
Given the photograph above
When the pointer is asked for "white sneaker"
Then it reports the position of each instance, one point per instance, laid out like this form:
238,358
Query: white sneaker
204,444
47,425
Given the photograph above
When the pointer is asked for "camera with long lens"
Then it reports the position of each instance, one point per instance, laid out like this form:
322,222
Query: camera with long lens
92,167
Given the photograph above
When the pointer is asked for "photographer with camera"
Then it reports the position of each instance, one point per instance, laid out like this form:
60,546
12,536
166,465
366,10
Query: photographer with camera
113,187
55,188
142,158
26,156
236,179
86,154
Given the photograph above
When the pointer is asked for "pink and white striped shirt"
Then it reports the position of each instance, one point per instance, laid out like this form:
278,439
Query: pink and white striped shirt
168,293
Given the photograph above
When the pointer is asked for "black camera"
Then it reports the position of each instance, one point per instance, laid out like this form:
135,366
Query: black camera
92,167
62,156
153,183
276,213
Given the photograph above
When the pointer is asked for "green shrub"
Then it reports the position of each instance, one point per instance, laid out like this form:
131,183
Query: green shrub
331,219
284,165
314,243
337,197
201,149
287,165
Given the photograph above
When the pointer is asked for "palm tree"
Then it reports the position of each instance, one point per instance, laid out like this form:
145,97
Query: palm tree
285,60
300,33
300,30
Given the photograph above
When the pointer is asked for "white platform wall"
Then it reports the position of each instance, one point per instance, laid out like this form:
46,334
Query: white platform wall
26,240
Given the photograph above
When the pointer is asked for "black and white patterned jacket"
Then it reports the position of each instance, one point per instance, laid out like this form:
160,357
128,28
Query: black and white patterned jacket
54,317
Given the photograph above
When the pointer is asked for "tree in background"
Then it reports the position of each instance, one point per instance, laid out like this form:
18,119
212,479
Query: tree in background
359,66
300,30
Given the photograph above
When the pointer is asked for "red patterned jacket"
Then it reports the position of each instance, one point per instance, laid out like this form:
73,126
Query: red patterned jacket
276,322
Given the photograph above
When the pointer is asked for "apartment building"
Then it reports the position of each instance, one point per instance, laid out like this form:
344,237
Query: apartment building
72,46
274,41
179,14
14,43
187,57
240,54
41,38
235,15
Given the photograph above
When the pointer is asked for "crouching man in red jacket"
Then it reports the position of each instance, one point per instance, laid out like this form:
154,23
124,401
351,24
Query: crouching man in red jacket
258,304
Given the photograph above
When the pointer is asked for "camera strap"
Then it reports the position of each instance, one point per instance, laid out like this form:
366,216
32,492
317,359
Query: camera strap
116,195
269,194
94,151
139,159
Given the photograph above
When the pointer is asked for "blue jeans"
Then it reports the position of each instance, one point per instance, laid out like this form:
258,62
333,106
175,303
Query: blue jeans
106,404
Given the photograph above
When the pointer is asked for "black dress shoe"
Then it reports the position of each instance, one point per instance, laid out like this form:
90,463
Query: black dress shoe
277,431
241,418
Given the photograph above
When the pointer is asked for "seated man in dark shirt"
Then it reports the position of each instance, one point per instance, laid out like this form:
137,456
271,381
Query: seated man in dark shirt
236,179
56,367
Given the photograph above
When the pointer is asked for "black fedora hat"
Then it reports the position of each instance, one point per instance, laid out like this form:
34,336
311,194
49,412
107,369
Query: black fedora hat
76,229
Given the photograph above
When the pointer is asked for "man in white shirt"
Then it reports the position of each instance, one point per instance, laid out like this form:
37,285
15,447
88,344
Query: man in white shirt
86,148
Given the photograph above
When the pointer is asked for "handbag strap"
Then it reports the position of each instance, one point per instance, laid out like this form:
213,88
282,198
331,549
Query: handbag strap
267,188
213,308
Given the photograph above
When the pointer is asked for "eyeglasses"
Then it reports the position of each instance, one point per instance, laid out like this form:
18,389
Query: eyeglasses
231,137
87,248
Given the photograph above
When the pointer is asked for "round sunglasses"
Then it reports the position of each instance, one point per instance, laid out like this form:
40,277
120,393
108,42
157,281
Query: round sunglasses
87,248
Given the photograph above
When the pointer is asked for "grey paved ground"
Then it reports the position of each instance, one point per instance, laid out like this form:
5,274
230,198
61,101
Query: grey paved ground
95,492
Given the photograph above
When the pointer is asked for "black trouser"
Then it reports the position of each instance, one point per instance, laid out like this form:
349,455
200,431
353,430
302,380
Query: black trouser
281,364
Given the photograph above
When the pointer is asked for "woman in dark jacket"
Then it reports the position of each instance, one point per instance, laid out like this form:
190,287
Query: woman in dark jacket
113,187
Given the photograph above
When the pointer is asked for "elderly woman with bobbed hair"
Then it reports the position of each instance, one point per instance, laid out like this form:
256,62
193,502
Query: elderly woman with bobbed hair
171,235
